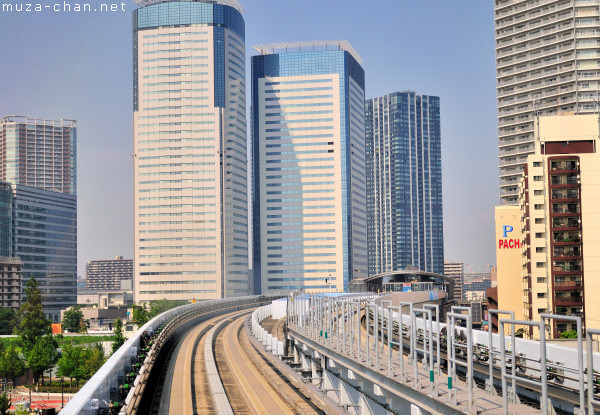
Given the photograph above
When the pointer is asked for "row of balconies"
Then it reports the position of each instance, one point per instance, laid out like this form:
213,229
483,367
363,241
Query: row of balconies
557,17
564,179
550,57
535,48
566,222
564,165
562,32
566,236
565,193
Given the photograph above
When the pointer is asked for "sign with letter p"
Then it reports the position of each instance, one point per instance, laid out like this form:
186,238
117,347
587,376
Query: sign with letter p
507,229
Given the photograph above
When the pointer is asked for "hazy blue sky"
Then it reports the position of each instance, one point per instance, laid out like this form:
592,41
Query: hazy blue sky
79,66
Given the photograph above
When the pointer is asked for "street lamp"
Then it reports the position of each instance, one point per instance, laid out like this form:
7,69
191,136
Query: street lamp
62,393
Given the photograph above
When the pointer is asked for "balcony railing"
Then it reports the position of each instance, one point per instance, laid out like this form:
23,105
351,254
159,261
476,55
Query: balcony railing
567,283
568,299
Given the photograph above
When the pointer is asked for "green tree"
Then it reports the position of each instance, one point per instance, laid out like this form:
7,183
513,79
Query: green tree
160,306
119,338
11,364
520,332
21,410
84,325
569,334
72,318
72,363
140,314
42,357
33,322
95,359
7,320
4,404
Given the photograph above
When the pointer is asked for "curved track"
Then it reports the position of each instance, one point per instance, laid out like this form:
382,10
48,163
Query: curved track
186,390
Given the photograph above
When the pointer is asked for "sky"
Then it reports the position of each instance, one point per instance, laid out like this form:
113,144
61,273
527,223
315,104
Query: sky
79,66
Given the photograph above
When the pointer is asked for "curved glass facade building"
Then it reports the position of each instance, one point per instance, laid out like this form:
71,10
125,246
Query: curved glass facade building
190,175
309,221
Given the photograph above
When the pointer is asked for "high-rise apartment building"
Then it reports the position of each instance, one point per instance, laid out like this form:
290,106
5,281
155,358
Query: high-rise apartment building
310,228
559,222
456,271
190,175
404,183
39,153
546,63
45,239
108,274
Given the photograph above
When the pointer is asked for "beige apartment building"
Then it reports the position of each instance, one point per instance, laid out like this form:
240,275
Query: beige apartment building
546,63
559,218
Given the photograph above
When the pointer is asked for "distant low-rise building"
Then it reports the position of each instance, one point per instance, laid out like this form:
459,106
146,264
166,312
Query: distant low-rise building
103,275
456,271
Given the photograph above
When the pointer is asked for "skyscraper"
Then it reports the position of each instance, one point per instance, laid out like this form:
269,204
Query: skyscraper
39,153
546,63
38,158
190,175
404,183
309,166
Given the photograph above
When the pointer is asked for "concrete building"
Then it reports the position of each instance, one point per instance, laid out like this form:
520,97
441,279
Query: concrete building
310,224
45,239
558,212
404,183
509,240
546,63
189,135
102,275
456,271
39,153
10,282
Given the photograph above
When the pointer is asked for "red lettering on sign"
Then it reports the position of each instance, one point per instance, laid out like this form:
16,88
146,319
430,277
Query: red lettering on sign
509,243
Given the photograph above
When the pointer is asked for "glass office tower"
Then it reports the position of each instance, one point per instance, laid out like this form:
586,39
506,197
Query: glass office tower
5,220
45,238
309,167
404,182
190,175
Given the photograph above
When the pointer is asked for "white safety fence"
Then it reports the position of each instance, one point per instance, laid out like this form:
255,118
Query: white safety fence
270,342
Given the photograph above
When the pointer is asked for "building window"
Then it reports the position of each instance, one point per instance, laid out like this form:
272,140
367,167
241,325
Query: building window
541,295
539,249
538,206
539,234
540,264
537,164
539,220
537,178
538,192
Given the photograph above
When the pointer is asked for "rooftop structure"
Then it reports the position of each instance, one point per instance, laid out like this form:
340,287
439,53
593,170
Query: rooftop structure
304,46
231,3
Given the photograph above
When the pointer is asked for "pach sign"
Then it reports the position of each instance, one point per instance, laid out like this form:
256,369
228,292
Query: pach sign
506,242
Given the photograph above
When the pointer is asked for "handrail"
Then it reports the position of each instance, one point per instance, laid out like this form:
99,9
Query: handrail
96,392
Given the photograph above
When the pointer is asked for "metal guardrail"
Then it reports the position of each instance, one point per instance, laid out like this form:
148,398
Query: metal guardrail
95,394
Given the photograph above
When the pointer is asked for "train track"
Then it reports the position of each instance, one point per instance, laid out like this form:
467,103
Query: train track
251,385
